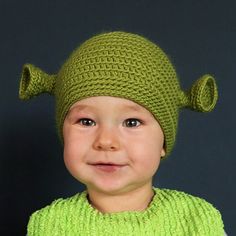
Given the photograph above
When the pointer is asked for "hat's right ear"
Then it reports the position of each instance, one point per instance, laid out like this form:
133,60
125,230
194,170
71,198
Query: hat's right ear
34,82
202,96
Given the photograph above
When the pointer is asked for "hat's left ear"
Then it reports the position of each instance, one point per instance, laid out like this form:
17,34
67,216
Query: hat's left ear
202,96
34,82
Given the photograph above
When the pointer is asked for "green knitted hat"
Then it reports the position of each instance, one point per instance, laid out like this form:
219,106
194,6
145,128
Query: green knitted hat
125,65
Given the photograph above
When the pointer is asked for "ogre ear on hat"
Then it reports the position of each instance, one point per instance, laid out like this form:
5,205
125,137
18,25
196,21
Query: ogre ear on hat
34,82
202,96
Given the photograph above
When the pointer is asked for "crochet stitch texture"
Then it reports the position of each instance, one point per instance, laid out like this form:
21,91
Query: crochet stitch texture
123,65
171,213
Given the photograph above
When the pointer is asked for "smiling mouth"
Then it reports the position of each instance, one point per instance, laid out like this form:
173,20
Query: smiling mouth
107,167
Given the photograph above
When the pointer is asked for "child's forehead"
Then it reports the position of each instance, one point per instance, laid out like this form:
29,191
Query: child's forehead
98,101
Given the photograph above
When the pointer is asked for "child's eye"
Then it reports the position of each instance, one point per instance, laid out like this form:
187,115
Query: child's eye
86,122
132,123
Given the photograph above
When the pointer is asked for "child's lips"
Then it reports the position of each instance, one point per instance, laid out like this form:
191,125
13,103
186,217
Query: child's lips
108,167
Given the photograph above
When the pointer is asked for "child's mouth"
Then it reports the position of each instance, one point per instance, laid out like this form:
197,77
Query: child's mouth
108,167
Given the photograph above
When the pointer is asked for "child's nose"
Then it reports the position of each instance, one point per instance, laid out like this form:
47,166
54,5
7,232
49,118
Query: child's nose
106,140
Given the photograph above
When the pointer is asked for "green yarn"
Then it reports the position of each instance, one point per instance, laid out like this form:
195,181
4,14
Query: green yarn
170,213
34,82
202,96
123,65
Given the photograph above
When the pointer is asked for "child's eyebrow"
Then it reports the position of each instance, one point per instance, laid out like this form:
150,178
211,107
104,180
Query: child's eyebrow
80,107
133,107
76,109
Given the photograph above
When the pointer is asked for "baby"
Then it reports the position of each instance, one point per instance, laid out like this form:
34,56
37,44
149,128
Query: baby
117,104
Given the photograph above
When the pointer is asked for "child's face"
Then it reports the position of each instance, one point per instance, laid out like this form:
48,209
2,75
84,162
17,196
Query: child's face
112,144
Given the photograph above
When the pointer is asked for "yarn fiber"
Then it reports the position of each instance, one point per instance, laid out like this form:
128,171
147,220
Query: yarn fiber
125,65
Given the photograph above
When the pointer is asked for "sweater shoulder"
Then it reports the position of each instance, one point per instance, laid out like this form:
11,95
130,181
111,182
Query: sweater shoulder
48,215
192,209
188,202
59,204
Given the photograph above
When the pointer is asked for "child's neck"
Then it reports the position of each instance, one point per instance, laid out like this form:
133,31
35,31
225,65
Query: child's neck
135,200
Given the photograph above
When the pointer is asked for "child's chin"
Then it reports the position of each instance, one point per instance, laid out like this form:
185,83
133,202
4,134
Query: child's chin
108,189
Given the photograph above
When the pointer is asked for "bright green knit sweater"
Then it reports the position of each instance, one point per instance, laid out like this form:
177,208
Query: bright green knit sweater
171,212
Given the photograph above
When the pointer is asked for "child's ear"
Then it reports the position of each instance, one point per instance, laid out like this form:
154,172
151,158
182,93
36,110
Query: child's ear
163,152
